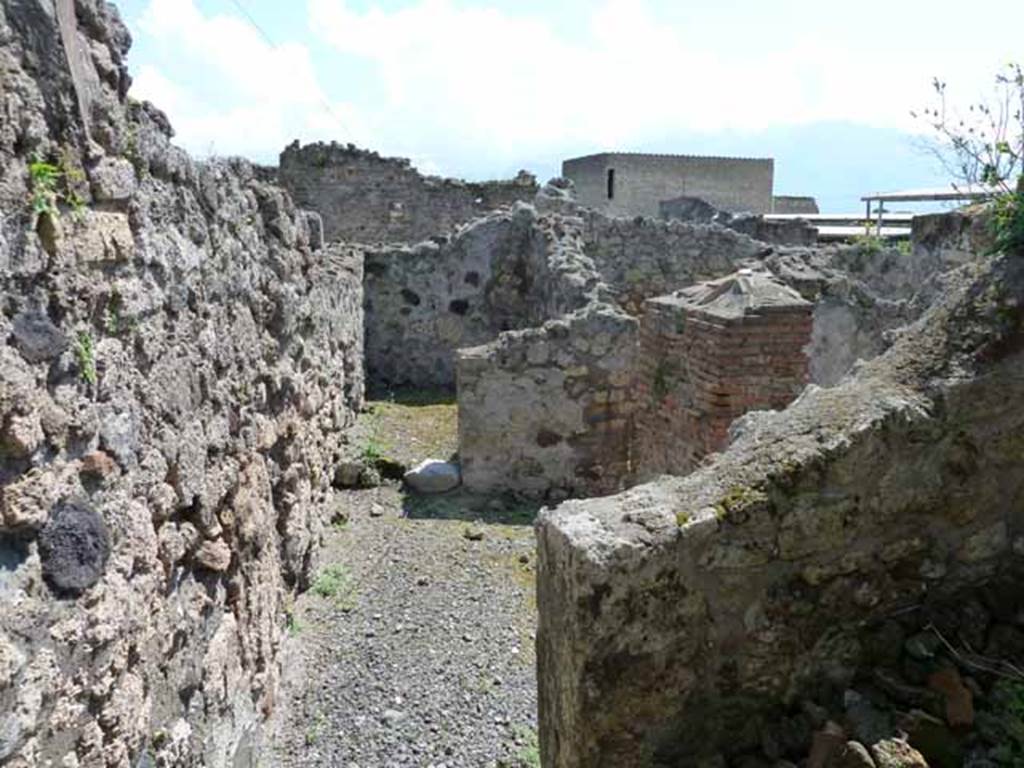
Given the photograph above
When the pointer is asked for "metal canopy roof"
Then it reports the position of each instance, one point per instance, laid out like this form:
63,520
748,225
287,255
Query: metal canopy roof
933,194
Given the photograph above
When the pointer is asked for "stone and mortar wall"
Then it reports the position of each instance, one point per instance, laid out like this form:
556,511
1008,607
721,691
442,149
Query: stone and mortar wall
860,296
625,261
640,258
951,238
366,198
677,613
508,270
517,268
694,210
643,181
177,373
548,410
697,372
794,204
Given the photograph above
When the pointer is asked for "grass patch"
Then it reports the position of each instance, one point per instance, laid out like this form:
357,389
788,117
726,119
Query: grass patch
528,755
334,582
315,729
410,430
373,451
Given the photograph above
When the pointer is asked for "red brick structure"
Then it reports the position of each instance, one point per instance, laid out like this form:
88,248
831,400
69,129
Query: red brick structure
708,354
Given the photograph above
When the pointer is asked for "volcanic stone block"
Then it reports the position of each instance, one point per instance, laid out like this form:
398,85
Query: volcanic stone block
74,548
37,338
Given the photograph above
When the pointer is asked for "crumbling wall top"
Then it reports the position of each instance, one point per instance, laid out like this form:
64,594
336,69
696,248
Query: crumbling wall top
742,293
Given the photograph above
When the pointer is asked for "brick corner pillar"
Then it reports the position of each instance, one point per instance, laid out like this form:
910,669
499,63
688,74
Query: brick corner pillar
710,353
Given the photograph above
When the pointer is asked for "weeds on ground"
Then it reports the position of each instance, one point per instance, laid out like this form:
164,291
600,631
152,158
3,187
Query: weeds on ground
315,728
528,755
373,450
292,623
334,582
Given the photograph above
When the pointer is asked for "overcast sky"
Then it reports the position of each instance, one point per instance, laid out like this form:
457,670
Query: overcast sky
479,89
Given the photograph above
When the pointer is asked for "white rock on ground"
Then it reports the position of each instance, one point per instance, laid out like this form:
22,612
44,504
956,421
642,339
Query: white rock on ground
433,476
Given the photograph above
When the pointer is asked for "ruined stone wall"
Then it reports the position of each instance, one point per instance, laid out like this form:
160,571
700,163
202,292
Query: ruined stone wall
178,369
699,370
952,237
697,211
640,258
366,198
677,617
640,182
861,295
508,270
794,204
516,269
548,410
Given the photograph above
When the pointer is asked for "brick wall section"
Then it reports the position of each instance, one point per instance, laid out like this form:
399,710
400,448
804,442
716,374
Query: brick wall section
366,198
708,355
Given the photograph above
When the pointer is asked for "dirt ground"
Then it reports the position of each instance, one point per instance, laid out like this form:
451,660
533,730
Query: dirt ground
415,644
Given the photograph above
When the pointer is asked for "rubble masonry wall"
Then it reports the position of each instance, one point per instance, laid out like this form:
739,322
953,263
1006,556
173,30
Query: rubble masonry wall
547,410
731,589
366,198
178,367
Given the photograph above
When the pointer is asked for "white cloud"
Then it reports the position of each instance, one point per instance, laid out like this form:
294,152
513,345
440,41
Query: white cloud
460,86
490,80
241,95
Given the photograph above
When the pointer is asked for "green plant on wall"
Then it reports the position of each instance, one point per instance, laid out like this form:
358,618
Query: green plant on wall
43,178
984,147
112,321
85,356
869,243
1008,222
1002,722
53,183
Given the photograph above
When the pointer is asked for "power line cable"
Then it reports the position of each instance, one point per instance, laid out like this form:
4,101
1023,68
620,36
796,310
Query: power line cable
267,39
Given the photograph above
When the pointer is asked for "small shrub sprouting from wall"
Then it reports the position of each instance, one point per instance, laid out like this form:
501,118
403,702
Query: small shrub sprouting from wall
53,183
85,356
1008,222
984,147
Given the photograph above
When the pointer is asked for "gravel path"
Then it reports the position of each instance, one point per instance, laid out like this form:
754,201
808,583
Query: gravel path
415,645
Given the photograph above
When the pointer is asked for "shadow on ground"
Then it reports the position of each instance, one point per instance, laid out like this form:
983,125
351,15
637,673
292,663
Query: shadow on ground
461,505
